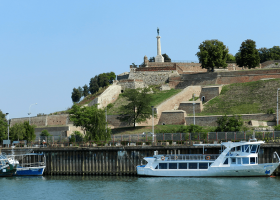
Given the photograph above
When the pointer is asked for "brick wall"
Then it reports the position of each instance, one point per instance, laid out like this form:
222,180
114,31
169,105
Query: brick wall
187,106
210,92
173,117
221,78
110,95
211,120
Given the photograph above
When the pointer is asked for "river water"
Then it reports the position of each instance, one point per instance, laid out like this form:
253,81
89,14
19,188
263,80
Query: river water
124,187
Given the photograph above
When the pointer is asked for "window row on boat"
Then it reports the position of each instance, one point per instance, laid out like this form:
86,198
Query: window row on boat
174,165
246,149
241,161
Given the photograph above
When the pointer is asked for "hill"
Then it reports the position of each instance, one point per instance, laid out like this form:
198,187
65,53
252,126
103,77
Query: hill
244,98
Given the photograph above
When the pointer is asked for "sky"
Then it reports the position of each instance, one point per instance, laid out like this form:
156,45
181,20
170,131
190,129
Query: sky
49,47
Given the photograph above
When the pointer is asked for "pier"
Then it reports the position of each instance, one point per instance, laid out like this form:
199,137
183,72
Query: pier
121,160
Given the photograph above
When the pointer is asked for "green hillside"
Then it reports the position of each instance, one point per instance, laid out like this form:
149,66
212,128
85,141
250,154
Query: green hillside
158,98
244,98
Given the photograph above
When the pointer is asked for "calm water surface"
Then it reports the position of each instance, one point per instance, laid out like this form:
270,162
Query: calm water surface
112,187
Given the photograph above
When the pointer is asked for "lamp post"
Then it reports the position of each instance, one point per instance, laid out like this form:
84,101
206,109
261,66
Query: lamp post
8,129
277,106
193,110
30,112
153,121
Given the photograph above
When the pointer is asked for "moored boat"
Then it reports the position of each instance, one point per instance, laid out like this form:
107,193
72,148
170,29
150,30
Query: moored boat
6,168
35,166
237,159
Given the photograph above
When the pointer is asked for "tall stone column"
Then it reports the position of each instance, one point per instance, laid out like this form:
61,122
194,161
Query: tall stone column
159,57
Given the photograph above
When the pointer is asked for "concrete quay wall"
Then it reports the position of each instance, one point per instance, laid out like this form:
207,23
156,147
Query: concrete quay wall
120,160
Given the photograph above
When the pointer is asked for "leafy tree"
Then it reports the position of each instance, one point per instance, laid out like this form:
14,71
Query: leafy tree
76,136
111,76
213,53
3,126
166,58
76,95
45,133
93,85
249,55
269,54
230,58
139,107
80,91
85,90
92,120
152,59
229,124
17,131
29,131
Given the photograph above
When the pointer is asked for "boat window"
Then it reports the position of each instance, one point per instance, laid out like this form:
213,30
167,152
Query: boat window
252,160
210,164
245,161
226,161
232,149
203,165
172,165
239,161
192,165
156,167
233,160
183,165
238,148
256,160
162,165
254,148
257,150
247,148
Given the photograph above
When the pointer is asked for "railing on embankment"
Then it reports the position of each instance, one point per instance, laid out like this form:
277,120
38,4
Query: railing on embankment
122,160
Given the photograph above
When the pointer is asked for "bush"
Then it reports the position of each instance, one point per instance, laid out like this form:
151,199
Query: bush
76,136
45,133
124,143
269,111
277,128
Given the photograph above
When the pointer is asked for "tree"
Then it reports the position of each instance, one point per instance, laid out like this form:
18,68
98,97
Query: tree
93,85
166,58
249,55
85,90
229,124
139,107
213,53
269,54
80,91
76,136
45,133
17,131
111,77
230,58
152,59
29,131
76,95
3,126
92,120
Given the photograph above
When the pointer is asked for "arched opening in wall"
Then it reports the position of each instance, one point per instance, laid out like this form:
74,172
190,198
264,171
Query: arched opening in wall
163,123
121,91
203,99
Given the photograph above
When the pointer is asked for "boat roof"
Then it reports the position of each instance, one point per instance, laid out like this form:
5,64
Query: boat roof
233,144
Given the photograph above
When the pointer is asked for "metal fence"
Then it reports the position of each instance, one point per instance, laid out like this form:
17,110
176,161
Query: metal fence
139,139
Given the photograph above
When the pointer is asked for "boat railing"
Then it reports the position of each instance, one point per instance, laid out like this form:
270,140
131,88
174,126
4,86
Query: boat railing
34,164
182,157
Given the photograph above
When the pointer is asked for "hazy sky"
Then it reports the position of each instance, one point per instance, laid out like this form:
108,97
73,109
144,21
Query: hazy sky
48,47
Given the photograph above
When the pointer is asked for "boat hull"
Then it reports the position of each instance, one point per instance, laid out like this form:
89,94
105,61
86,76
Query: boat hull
30,171
236,171
8,171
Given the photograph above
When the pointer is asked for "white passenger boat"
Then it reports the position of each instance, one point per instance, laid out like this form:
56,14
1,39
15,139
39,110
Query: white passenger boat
237,159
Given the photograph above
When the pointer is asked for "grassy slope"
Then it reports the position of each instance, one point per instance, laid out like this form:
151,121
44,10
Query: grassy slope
158,98
244,98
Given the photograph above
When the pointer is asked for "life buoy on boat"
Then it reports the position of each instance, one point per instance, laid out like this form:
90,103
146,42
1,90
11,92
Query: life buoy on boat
207,157
162,158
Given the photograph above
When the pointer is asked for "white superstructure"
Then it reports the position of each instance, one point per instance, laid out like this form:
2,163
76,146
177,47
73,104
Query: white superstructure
237,159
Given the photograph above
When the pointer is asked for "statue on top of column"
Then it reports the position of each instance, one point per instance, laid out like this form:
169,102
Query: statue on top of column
158,31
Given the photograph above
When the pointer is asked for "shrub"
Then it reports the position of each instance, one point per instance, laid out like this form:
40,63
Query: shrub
269,111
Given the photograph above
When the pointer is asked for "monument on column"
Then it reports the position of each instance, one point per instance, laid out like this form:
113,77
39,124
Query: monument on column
159,57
